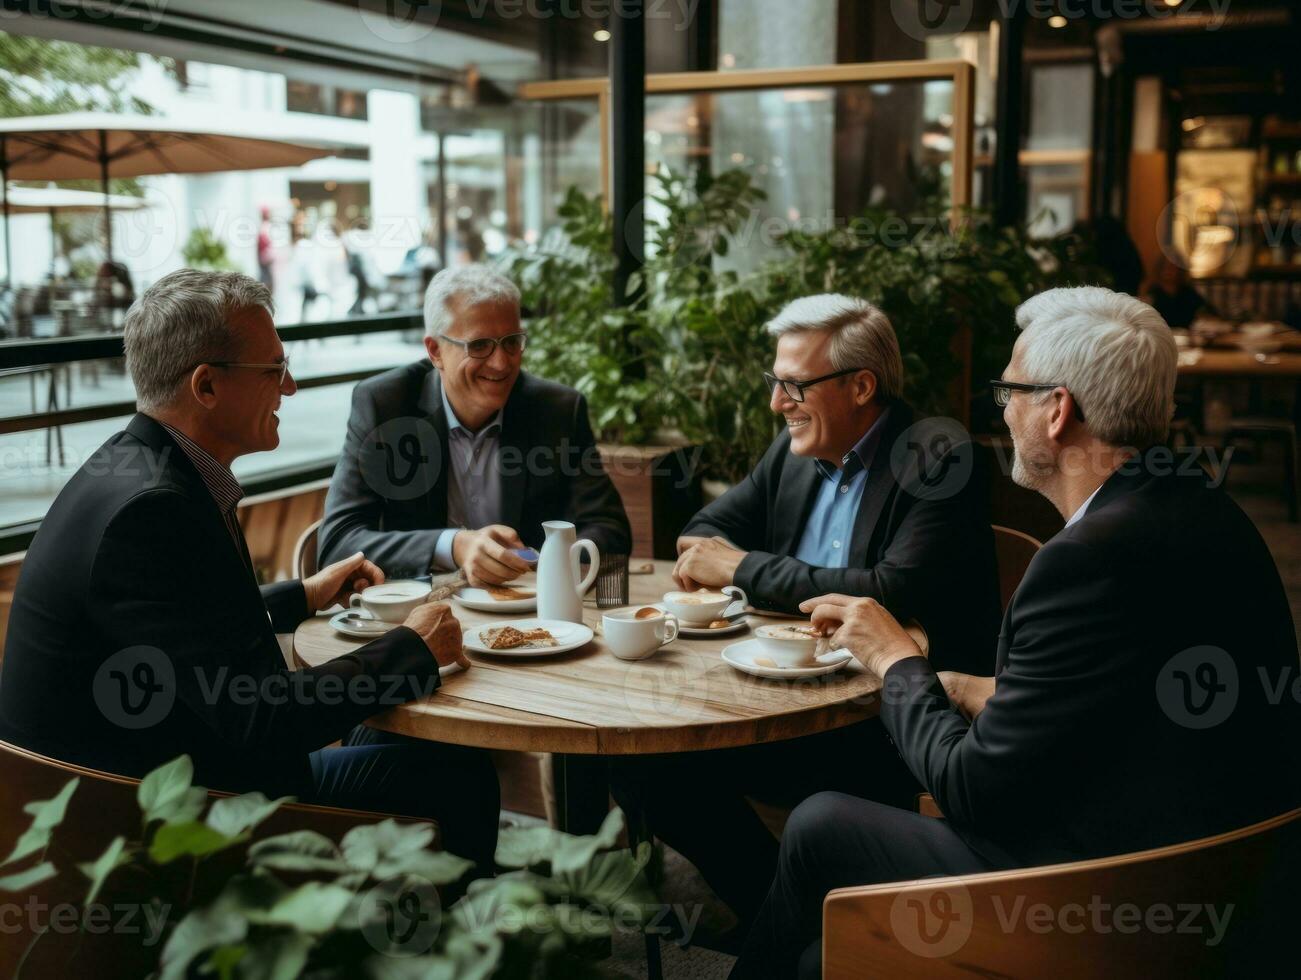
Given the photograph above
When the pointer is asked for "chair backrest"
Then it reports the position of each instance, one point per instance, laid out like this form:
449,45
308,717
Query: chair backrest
305,551
1012,550
102,807
1219,906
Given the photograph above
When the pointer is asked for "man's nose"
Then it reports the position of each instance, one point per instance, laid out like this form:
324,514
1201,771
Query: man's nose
780,402
288,385
499,360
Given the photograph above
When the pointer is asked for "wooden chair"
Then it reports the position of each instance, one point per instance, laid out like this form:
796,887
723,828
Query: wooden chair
1012,550
305,551
104,806
1074,920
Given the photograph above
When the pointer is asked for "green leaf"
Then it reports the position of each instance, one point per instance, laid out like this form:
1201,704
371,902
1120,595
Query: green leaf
277,956
525,847
199,931
114,856
24,880
313,907
191,839
223,961
363,847
437,867
232,815
46,815
301,850
166,790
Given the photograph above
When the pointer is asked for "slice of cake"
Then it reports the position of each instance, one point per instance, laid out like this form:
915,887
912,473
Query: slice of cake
502,638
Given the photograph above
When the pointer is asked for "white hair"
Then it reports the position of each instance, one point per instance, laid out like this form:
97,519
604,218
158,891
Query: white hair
181,321
470,285
1112,352
862,336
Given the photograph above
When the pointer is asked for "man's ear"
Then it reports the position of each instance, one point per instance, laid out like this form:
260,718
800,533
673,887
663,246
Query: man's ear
203,386
864,387
1063,414
431,348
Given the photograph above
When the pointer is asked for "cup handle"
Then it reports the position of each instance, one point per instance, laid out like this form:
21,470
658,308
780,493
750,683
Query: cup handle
594,562
670,623
739,605
354,601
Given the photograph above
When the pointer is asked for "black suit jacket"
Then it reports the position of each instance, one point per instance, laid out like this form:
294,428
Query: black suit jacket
1105,734
550,470
134,553
926,559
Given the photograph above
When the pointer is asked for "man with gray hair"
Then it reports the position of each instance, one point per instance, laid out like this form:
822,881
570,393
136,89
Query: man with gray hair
855,496
454,461
1135,699
138,614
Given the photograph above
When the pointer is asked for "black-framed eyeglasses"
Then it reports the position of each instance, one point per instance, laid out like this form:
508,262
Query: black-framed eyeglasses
794,390
1003,392
481,347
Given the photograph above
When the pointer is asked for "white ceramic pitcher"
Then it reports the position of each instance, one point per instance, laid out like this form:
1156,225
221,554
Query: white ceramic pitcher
560,593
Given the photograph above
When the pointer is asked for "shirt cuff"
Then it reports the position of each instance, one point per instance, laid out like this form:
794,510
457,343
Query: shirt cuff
443,560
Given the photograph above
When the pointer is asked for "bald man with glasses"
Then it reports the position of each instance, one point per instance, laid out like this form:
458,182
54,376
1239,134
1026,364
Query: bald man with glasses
454,462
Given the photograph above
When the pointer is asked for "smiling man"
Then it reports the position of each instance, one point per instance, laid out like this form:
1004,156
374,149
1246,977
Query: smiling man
456,460
138,631
833,506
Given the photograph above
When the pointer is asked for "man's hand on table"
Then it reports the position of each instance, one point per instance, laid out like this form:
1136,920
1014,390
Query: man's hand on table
709,563
864,628
338,582
967,692
441,632
485,555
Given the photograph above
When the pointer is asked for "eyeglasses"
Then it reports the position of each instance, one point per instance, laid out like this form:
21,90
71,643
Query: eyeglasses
1003,393
794,390
280,367
482,347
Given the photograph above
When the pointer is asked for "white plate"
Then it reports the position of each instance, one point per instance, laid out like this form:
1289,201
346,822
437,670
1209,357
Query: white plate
343,623
569,636
738,624
741,656
479,599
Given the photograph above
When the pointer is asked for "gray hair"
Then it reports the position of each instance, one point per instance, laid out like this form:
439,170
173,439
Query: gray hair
181,321
472,285
862,336
1114,353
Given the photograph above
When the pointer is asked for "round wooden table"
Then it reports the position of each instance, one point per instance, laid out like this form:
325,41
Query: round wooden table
683,698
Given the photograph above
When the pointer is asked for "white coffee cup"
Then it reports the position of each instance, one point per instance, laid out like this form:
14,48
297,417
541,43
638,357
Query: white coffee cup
788,644
702,607
393,601
630,638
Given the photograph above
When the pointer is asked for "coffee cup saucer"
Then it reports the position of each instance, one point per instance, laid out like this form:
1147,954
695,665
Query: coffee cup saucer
359,624
737,624
743,656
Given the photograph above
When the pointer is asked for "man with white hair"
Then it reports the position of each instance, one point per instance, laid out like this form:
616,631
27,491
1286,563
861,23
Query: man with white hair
138,631
839,503
454,461
1136,699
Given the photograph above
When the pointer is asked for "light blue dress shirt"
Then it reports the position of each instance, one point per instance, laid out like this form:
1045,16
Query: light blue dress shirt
473,481
830,528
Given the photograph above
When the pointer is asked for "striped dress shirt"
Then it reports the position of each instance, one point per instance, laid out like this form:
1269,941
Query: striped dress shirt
221,483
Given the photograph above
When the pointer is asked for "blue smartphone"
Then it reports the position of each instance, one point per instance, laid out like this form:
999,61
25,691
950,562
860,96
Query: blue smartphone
528,554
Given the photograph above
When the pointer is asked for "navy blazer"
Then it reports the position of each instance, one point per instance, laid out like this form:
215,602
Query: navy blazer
550,470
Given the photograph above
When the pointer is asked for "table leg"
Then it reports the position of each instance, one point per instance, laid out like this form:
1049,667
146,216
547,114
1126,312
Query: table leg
639,832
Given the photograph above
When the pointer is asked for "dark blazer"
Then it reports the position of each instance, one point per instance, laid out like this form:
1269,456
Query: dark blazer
550,471
134,553
1105,732
926,559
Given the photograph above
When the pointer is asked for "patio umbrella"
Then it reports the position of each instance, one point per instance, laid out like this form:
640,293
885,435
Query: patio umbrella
80,145
51,200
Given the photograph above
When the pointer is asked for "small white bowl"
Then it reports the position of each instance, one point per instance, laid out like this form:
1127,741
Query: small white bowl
789,644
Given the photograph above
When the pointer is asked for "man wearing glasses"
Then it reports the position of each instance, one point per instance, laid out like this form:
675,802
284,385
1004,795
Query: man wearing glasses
831,507
455,461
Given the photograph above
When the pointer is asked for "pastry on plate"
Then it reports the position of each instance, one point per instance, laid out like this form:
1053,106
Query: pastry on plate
504,593
502,638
